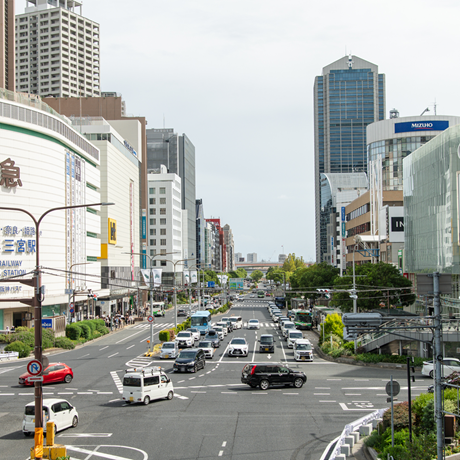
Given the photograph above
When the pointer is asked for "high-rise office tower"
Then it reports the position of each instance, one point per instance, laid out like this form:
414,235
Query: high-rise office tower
57,50
177,153
7,72
349,95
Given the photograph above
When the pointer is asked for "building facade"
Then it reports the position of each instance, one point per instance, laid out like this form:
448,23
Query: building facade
200,234
177,153
119,166
252,257
348,96
57,50
7,47
45,164
229,248
165,224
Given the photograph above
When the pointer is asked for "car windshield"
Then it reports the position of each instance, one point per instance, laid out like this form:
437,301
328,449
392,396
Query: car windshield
168,345
218,329
253,320
303,346
266,339
289,326
193,329
238,342
204,344
187,354
233,320
212,333
296,335
184,334
132,382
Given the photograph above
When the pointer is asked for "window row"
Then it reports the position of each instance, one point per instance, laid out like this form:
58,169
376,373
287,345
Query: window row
152,190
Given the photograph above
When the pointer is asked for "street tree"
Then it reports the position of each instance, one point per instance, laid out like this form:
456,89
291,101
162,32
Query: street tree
376,283
292,263
276,274
257,275
316,276
333,325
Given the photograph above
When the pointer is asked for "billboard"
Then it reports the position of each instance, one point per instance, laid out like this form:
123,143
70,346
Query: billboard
417,126
236,283
396,224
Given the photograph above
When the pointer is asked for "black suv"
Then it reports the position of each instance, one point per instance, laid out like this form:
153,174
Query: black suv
266,343
190,360
265,375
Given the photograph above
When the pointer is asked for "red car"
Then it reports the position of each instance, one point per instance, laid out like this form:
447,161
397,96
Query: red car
55,372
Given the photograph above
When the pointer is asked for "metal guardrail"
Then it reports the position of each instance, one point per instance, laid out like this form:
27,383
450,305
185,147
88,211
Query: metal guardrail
9,355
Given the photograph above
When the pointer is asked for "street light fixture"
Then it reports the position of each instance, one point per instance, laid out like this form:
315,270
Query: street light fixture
37,302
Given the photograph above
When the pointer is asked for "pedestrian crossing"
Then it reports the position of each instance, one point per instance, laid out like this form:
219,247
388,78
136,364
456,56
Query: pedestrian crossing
139,361
261,324
146,325
117,381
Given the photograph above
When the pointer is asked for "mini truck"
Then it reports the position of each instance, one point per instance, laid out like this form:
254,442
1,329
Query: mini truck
146,384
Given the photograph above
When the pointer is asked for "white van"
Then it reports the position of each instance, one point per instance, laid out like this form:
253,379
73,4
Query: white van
303,351
237,321
146,384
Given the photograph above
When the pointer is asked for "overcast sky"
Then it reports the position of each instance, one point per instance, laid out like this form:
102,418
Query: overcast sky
237,76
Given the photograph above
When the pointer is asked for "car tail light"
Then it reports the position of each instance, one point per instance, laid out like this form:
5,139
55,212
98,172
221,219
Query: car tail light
253,370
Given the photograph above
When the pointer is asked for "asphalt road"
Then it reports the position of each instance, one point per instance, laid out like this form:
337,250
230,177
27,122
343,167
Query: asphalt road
212,415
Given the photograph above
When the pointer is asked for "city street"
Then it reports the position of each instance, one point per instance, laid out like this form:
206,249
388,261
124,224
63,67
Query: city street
212,414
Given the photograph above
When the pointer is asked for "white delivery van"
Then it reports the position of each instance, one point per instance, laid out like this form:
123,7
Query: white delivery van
146,384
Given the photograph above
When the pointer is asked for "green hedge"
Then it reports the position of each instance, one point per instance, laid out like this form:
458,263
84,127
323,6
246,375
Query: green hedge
23,349
64,342
164,336
86,332
73,331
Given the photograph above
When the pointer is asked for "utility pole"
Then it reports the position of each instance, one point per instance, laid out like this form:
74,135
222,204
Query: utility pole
437,355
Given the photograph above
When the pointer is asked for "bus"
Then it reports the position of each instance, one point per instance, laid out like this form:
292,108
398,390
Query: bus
202,321
303,320
158,309
261,294
280,302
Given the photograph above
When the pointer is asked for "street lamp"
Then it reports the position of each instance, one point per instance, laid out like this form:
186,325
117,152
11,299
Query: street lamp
37,302
72,290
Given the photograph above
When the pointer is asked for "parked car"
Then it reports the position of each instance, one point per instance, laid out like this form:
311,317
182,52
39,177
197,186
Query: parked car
190,360
238,347
54,373
169,350
182,312
207,347
253,324
266,375
59,411
303,351
448,366
195,333
267,343
185,339
212,337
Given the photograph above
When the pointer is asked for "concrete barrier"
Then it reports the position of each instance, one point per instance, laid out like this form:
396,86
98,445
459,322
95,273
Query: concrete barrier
345,449
350,440
365,430
355,434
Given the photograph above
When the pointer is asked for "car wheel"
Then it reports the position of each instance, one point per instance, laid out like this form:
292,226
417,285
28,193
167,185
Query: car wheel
195,368
298,382
146,400
170,395
74,421
264,384
68,378
431,374
27,433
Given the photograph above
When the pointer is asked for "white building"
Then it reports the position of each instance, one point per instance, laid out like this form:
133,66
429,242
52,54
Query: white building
165,230
45,164
57,50
120,146
252,257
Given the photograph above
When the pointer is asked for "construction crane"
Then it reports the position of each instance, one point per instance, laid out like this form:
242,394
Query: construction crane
270,258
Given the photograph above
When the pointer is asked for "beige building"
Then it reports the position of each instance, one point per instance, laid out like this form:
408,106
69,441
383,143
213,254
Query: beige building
7,67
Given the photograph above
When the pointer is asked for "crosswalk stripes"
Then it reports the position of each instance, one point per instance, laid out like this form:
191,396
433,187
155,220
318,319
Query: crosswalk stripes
146,325
139,361
117,381
245,325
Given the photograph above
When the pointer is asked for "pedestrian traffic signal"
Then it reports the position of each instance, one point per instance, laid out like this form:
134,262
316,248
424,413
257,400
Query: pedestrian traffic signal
325,292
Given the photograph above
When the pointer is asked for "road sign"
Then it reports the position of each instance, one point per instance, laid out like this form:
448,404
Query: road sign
34,367
396,388
36,378
47,323
71,310
150,319
69,291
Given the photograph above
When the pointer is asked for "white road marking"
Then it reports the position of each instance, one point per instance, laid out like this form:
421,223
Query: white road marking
113,355
321,394
344,407
224,443
113,400
352,394
326,401
93,453
290,393
85,435
103,348
221,452
130,347
87,354
6,394
117,381
228,393
105,392
65,393
180,397
74,389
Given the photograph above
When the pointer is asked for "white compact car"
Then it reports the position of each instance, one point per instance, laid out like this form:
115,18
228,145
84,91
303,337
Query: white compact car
223,326
448,366
253,324
59,411
293,336
238,347
195,333
169,350
146,384
286,327
207,347
303,351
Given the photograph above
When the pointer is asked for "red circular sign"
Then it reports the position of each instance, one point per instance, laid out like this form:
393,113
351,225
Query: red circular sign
150,319
34,367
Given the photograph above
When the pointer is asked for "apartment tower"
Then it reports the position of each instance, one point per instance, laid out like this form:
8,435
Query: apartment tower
57,50
7,72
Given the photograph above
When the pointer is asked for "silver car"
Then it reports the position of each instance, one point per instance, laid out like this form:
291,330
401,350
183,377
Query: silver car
169,350
238,347
207,347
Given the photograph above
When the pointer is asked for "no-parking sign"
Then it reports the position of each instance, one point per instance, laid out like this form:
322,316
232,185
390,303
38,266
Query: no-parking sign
150,319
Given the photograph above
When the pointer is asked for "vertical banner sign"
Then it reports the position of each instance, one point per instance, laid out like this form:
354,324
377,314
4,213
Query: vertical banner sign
67,219
342,214
144,251
72,211
131,226
332,249
343,227
144,224
193,276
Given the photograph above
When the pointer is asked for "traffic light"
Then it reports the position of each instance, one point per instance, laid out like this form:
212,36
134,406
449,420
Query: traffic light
325,292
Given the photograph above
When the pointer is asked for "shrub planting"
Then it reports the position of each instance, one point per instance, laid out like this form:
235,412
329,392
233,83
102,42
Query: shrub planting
73,331
64,342
23,349
164,336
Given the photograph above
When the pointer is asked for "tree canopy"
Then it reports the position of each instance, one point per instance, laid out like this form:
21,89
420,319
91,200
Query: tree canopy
276,274
256,275
292,263
375,283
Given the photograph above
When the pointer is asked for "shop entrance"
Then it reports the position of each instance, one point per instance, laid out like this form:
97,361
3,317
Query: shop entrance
17,319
